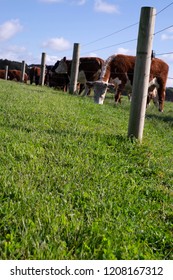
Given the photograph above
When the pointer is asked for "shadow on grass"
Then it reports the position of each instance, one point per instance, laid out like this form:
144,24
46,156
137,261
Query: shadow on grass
166,119
107,138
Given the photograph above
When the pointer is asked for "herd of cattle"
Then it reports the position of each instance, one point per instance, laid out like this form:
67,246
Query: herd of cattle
115,74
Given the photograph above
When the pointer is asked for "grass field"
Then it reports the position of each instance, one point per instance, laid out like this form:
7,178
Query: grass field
73,186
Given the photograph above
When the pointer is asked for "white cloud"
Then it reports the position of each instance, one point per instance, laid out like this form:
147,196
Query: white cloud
79,2
16,53
122,50
168,57
51,1
16,49
58,44
170,30
102,6
20,53
92,54
52,59
9,28
166,37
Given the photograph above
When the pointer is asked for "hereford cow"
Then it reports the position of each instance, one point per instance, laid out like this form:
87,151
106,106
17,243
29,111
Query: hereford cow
34,74
120,69
2,74
152,90
58,80
15,75
89,70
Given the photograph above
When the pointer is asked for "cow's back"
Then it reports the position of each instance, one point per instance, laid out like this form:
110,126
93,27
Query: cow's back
159,69
91,66
2,74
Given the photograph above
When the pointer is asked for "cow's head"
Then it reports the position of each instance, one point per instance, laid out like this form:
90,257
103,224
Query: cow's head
153,92
62,67
100,89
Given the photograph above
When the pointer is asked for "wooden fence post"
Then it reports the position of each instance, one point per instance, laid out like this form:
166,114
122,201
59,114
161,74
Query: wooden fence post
43,68
141,73
6,72
22,77
74,69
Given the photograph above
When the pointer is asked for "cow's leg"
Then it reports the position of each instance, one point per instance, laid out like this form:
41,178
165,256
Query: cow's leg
118,96
121,86
81,87
161,97
148,99
86,91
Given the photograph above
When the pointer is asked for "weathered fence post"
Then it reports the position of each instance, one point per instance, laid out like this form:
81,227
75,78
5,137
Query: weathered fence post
22,77
74,69
6,72
43,68
141,73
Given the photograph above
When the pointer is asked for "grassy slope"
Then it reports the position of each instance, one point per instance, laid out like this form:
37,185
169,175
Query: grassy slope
74,187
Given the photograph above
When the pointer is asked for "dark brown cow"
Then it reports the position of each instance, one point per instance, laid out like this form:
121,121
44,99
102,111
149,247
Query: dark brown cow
59,81
2,74
16,75
120,69
34,74
89,70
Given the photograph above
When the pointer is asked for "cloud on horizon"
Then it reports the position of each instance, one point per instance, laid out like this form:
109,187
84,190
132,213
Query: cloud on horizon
9,29
14,52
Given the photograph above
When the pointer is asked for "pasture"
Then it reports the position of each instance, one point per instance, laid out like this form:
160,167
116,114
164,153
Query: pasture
74,187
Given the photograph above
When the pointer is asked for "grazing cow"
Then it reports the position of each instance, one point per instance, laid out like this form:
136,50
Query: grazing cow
120,69
89,70
153,95
57,80
12,65
34,74
152,91
2,74
48,73
16,75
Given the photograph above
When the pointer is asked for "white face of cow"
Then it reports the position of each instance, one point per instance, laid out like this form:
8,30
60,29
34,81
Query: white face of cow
100,89
62,67
153,92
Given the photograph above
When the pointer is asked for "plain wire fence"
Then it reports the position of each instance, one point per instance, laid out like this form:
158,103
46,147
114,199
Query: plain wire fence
127,41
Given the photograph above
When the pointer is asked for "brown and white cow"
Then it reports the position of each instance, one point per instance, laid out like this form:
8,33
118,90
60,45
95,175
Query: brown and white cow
15,75
89,70
2,74
120,69
34,74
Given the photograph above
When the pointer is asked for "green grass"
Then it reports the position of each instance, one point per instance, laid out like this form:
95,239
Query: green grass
73,186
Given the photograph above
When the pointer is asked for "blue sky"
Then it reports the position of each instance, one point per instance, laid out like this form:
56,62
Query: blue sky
30,27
